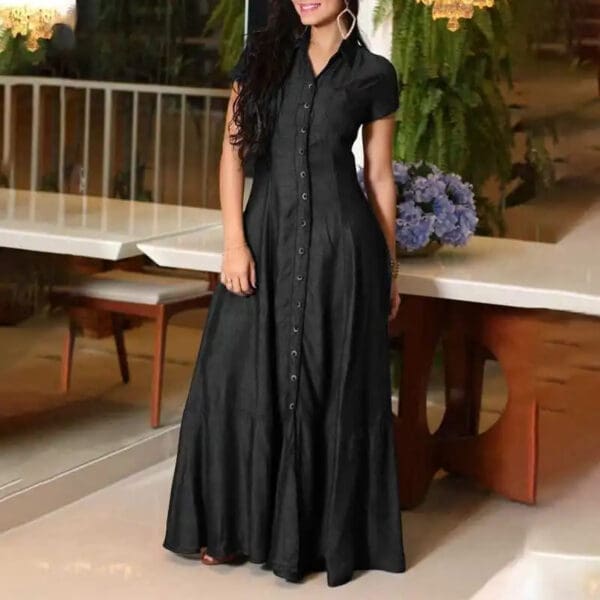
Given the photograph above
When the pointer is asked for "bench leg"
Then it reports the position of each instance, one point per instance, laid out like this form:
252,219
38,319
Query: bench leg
117,324
158,366
67,357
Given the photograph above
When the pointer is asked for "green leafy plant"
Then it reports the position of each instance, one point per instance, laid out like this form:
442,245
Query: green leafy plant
452,110
14,55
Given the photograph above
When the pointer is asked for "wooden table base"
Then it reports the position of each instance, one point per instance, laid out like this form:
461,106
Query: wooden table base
504,458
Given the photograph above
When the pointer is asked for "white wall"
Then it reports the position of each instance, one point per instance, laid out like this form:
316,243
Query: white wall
379,41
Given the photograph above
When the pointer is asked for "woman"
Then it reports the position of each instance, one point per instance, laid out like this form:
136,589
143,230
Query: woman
286,452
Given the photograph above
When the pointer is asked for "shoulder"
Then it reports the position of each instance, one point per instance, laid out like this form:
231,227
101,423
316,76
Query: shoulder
377,77
376,64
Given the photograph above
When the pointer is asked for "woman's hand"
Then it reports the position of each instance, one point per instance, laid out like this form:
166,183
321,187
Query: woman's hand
394,300
238,271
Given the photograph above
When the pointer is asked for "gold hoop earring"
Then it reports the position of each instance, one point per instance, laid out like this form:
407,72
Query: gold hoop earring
348,33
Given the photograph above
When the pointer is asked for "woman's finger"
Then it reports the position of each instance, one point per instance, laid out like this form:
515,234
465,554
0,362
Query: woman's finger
245,285
253,274
237,288
228,281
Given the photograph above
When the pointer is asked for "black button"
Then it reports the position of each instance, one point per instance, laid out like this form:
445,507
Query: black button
292,406
304,196
299,277
302,174
310,85
300,250
301,151
302,130
298,304
294,353
306,105
293,377
303,223
295,329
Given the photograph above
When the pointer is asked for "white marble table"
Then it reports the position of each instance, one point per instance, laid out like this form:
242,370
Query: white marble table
90,226
511,273
197,251
496,271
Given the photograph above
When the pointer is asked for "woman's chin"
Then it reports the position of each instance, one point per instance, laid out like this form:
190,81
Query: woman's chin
310,19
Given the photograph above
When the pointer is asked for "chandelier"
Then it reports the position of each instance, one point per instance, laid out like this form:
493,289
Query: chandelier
453,10
35,20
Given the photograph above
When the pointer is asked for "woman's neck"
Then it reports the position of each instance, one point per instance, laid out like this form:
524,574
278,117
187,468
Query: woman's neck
326,38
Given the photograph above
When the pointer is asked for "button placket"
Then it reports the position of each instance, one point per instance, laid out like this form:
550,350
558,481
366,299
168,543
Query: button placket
301,240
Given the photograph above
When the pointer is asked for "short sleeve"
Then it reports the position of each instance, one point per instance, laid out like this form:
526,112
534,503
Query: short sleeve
385,98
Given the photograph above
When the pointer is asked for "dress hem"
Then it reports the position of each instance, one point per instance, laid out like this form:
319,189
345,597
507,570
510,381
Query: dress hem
291,574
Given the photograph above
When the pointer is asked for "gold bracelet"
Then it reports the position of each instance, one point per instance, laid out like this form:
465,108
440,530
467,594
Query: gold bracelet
395,266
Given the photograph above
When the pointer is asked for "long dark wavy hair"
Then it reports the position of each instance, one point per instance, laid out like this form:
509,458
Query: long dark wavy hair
266,60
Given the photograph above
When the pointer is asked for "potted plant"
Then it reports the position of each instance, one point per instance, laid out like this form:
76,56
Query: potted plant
452,111
433,208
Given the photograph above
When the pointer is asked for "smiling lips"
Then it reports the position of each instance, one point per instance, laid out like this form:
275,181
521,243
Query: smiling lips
309,7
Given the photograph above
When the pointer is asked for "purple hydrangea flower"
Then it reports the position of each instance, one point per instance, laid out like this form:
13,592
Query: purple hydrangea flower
445,216
416,234
400,173
432,206
409,212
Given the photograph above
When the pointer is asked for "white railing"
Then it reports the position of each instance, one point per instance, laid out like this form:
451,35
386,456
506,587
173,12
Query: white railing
206,104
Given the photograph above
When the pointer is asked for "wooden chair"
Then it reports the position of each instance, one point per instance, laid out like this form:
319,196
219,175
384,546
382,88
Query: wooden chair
131,293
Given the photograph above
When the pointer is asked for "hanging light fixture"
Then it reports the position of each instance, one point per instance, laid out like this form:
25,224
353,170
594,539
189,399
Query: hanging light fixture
35,20
454,10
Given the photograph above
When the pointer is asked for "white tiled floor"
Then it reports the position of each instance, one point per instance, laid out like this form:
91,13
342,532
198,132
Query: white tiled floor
108,545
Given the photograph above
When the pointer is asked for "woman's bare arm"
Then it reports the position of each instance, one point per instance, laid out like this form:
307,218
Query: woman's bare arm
231,182
238,271
379,177
380,185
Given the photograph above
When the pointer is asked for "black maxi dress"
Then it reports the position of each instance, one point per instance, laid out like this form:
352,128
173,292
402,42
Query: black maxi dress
286,449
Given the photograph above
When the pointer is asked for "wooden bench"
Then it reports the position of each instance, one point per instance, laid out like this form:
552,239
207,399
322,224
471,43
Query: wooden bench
131,293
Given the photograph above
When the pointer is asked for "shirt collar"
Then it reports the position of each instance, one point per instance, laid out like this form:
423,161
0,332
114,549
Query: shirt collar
348,46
